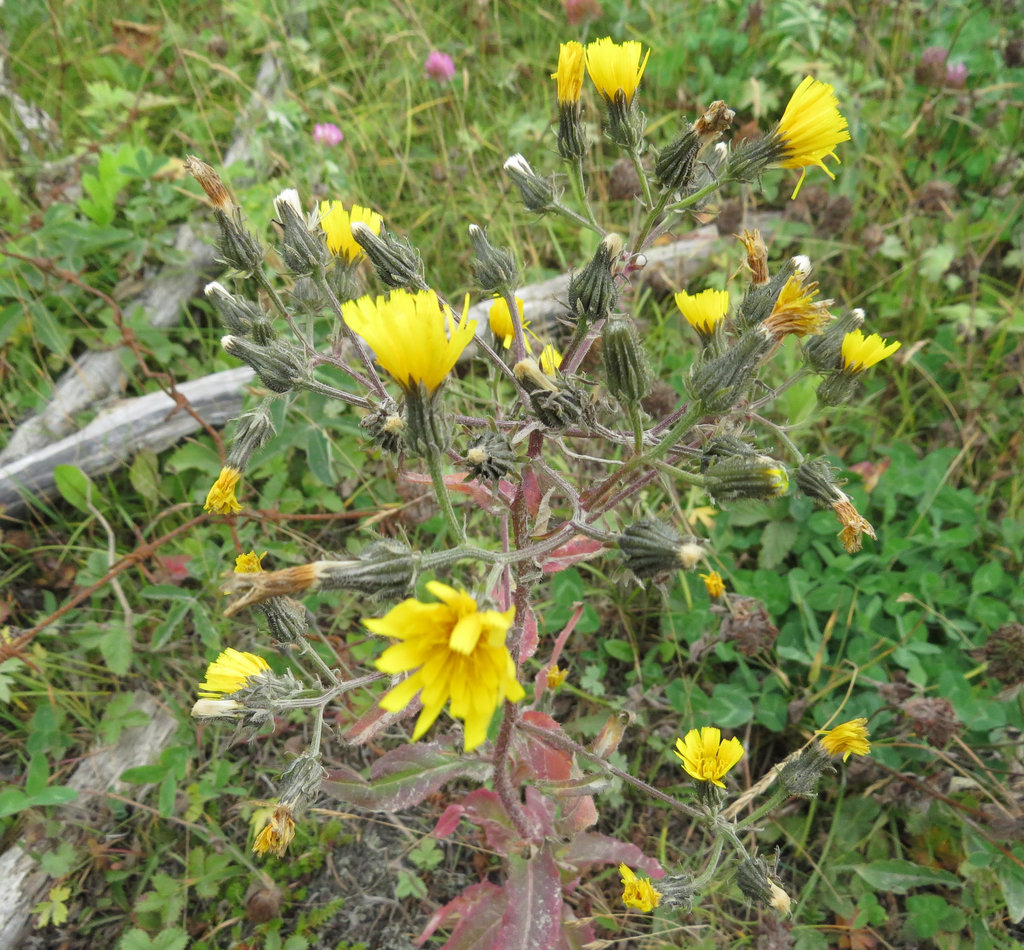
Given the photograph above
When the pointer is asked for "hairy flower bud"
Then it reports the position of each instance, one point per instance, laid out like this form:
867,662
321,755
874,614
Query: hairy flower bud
592,291
800,775
253,432
494,268
538,193
758,477
302,251
675,166
722,382
397,263
236,313
627,371
278,365
650,547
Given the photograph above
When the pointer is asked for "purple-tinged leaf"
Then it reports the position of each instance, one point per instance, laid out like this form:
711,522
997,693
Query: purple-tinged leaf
574,551
404,777
479,909
533,917
576,934
375,721
484,809
530,638
590,849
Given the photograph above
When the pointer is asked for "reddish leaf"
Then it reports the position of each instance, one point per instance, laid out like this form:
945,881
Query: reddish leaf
448,821
528,644
373,722
533,917
576,934
580,548
590,849
531,493
543,761
479,907
404,777
484,809
541,811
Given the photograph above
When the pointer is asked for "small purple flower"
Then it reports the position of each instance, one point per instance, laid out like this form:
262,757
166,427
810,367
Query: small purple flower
327,133
934,56
956,75
440,66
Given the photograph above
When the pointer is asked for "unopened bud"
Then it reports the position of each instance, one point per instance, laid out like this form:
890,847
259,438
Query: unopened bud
277,364
650,547
592,291
236,313
253,432
675,166
722,382
538,193
238,247
760,477
627,371
302,251
396,262
494,268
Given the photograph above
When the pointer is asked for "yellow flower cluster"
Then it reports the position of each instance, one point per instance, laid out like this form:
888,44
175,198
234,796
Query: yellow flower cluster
706,757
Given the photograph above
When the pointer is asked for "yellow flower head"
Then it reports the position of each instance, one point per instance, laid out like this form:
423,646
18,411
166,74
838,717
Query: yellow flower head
277,833
705,310
796,311
556,677
249,563
706,757
850,738
550,359
501,321
616,66
416,339
456,652
638,892
570,72
221,498
230,672
862,352
714,583
337,222
810,128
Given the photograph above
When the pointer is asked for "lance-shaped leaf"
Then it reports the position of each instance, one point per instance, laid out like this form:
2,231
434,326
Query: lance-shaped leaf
533,917
479,909
404,777
590,849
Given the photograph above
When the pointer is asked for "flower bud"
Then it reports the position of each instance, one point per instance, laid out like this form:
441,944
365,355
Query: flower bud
760,477
674,168
817,480
538,193
253,432
494,269
490,457
754,879
722,382
592,291
627,371
759,299
800,775
238,247
397,263
277,364
287,619
236,313
650,547
302,251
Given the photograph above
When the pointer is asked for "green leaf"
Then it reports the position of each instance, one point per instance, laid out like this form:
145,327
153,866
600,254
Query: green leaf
730,706
900,876
777,541
74,485
619,649
1011,882
144,475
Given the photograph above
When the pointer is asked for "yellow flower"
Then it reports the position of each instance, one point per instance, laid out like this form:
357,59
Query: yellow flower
277,833
221,498
638,892
810,128
570,71
704,310
249,563
230,672
850,738
861,352
714,583
706,757
796,311
615,67
550,360
501,321
556,677
415,339
456,651
337,222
